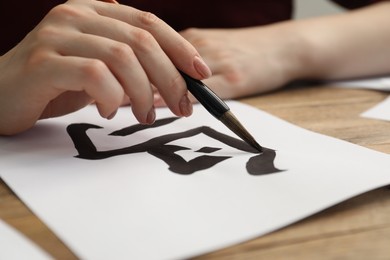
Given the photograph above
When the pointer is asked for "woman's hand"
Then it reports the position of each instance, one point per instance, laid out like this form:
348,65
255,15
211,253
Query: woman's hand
87,51
246,61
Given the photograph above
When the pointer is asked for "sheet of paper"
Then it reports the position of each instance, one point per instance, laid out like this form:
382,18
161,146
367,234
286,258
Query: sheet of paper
15,246
188,186
380,111
379,83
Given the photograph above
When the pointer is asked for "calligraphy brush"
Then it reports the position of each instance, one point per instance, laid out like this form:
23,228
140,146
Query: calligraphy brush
219,109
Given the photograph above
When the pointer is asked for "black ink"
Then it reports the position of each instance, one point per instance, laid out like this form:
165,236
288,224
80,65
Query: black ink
135,128
208,150
81,141
159,147
263,163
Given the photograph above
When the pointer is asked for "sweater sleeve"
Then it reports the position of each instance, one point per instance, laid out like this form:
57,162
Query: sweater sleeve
17,19
355,3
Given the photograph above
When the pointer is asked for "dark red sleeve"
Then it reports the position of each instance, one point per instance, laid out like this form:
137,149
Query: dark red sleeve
17,18
352,4
181,14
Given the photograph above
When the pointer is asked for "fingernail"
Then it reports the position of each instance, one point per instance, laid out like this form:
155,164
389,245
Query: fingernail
112,114
151,116
202,68
185,106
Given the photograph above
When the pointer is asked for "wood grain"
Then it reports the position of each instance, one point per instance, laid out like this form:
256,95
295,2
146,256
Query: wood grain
358,228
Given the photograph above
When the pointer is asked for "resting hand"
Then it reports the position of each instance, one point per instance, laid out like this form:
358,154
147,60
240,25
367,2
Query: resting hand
87,51
245,61
259,59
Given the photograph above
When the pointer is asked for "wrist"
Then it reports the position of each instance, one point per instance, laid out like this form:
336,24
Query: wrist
298,58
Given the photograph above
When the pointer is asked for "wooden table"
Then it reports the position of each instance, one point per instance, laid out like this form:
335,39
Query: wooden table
355,229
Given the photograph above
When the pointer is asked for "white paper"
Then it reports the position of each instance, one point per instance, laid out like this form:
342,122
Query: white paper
15,246
378,83
133,207
380,111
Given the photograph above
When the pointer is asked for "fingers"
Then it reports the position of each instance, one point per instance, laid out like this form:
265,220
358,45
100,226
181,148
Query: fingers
143,61
122,63
148,39
183,55
84,50
89,75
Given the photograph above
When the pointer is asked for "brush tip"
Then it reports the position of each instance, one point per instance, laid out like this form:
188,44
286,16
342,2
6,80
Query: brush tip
257,146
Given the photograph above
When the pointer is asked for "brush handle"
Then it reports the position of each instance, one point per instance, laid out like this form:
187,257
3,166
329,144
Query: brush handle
206,96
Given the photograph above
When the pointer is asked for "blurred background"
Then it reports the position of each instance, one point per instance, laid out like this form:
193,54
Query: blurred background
309,8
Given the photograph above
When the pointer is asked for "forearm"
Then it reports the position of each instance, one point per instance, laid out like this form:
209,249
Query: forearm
355,44
252,60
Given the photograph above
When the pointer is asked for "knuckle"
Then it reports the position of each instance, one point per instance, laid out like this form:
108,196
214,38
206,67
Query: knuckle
235,75
38,58
65,12
121,51
148,19
144,40
195,38
47,33
199,42
93,70
42,49
225,56
232,70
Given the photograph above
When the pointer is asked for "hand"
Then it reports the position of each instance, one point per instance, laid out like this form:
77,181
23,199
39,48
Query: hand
87,51
246,61
254,60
